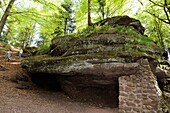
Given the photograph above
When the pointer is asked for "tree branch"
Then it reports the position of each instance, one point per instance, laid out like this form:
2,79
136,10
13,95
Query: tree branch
140,2
156,3
158,17
167,16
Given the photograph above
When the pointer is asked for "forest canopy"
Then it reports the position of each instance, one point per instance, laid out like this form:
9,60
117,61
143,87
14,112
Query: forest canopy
35,22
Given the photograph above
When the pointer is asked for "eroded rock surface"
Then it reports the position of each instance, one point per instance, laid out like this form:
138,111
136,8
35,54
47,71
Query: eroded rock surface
88,68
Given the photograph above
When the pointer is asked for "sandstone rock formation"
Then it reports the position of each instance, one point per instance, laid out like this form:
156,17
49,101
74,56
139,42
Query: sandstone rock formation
93,68
123,21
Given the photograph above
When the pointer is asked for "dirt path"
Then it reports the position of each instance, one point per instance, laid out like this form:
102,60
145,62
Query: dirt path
14,99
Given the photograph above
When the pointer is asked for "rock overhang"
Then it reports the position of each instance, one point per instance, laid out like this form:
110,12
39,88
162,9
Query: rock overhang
106,68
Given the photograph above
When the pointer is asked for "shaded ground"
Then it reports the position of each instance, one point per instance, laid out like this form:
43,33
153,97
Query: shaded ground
14,98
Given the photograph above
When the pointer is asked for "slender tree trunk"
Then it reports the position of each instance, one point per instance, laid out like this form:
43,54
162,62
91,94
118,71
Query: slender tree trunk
5,15
103,13
65,26
89,13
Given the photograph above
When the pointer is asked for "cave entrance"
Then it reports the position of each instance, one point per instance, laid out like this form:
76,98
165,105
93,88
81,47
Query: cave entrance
96,91
46,81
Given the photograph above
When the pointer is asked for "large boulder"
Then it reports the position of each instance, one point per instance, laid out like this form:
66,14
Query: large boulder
123,21
88,68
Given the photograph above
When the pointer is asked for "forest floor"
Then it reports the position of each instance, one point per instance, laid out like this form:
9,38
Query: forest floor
19,96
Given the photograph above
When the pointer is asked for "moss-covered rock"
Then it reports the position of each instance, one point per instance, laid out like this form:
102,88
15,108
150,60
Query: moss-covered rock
93,63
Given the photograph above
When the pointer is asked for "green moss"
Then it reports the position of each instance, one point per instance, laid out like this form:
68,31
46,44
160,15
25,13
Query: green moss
131,46
121,32
128,53
94,29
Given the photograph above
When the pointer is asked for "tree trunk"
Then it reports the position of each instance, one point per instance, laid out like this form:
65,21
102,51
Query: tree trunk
65,26
89,13
103,13
5,15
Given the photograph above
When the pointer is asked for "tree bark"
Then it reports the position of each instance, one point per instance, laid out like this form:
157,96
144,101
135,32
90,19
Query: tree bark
89,13
5,15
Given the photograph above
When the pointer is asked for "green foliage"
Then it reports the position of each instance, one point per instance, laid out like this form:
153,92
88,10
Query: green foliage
27,24
87,31
108,8
94,29
46,19
124,29
43,50
137,38
154,17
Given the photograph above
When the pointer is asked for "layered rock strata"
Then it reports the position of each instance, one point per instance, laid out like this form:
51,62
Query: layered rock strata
110,68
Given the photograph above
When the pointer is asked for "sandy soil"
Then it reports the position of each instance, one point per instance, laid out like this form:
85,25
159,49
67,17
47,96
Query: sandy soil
34,99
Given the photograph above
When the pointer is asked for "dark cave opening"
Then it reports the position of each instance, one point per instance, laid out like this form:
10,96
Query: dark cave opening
81,89
47,81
